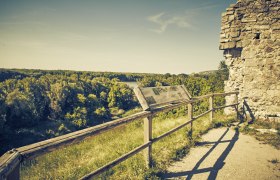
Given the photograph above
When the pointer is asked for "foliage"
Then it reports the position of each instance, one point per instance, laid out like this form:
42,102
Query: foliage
70,100
30,100
75,100
37,73
196,84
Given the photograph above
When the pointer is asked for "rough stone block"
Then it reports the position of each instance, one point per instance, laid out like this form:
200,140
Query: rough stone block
247,28
224,40
277,44
261,27
231,18
275,26
275,34
246,42
224,14
269,49
230,12
274,8
232,6
239,44
247,20
225,27
227,45
235,34
230,9
265,35
222,35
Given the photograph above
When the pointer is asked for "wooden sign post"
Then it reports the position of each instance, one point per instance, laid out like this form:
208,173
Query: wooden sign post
152,98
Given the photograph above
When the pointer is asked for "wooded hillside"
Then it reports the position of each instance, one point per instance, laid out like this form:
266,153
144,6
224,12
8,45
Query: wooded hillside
38,104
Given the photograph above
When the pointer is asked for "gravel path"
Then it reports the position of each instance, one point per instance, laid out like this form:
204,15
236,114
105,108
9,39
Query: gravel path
227,154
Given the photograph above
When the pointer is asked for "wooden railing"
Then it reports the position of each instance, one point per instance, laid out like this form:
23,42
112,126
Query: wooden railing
10,161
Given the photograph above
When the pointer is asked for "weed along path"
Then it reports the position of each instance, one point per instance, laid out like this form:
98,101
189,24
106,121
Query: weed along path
225,153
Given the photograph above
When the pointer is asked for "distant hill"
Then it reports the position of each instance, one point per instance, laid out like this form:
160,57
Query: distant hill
207,72
22,73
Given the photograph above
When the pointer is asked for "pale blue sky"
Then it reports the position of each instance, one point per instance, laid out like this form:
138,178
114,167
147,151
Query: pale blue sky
155,36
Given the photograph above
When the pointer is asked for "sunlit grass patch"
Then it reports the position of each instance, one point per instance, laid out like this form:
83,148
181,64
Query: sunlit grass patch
221,120
77,160
267,138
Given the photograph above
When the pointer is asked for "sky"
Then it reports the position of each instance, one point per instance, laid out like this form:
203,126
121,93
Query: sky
150,36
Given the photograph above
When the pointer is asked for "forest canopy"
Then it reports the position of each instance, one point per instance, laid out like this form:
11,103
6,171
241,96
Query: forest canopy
74,100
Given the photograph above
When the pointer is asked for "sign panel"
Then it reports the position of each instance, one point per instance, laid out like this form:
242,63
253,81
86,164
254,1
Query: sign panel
154,97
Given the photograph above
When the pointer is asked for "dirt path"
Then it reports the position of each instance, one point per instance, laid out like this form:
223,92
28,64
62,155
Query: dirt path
227,154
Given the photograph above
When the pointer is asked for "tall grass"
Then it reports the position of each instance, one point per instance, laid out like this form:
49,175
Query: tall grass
269,138
77,160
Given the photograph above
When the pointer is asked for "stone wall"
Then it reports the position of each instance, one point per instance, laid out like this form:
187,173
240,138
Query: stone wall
250,38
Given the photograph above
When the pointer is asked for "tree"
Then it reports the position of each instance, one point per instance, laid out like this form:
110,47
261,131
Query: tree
21,109
78,117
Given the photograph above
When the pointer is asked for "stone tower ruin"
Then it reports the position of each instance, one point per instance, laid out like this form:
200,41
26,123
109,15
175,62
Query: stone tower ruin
250,39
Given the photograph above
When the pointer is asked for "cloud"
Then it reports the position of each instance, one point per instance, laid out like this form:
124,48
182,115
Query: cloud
164,20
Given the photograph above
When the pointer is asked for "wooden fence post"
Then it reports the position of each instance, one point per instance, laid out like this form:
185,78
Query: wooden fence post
190,115
211,114
147,138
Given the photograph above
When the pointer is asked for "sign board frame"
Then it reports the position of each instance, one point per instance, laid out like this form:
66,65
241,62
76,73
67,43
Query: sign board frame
152,98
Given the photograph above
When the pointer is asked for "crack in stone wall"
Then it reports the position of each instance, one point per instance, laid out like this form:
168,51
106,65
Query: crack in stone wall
250,38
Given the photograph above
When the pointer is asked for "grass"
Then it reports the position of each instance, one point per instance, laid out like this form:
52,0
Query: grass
13,138
77,160
267,138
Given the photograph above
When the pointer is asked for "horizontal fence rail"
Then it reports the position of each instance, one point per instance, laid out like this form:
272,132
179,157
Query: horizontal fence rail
116,161
34,150
10,161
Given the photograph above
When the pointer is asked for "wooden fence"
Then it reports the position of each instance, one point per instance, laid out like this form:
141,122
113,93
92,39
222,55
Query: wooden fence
10,161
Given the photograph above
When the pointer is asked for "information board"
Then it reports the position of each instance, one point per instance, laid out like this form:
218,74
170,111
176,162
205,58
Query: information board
154,97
